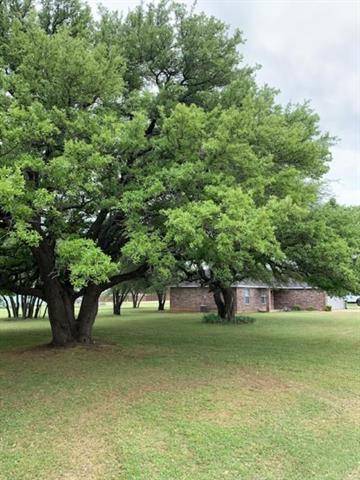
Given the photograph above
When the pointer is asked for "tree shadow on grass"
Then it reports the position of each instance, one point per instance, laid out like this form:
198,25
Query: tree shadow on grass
187,337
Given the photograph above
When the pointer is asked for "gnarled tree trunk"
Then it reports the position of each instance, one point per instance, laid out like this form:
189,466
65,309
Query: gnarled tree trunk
87,314
60,299
226,303
61,313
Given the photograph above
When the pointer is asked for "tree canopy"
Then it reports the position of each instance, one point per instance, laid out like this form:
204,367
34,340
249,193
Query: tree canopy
142,143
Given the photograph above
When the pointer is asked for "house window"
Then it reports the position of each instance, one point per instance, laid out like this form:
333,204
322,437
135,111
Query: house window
246,296
263,297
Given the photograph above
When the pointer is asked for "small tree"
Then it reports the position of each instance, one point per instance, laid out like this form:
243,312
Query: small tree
119,294
138,289
160,280
161,294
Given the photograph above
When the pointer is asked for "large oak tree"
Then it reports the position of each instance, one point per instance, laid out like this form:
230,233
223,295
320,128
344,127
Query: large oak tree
82,109
135,144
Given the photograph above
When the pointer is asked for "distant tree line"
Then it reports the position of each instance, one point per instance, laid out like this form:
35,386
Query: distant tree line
23,306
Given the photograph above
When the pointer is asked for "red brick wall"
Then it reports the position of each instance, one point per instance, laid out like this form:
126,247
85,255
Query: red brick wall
189,299
255,300
150,297
303,298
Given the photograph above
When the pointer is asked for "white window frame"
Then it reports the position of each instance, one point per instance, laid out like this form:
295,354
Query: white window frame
247,296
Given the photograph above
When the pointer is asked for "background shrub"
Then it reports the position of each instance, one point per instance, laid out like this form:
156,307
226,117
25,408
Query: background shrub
214,318
211,318
244,319
327,308
296,308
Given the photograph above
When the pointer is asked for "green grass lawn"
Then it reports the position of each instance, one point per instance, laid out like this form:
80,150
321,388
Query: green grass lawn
170,398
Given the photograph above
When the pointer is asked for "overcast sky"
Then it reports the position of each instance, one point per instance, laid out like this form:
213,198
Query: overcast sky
309,49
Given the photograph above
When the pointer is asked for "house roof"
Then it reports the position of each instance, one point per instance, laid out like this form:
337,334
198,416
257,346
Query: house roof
247,283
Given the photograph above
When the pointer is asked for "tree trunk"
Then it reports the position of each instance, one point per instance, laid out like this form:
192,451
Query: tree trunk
229,302
7,306
119,296
60,305
37,307
23,303
136,298
116,303
225,302
31,307
59,297
87,314
140,299
14,302
161,299
219,303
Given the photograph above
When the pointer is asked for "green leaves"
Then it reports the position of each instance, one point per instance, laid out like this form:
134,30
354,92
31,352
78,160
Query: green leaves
226,232
25,234
85,261
184,130
11,185
165,46
61,70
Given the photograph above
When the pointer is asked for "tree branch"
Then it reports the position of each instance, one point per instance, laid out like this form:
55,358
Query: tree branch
95,228
22,290
150,128
124,277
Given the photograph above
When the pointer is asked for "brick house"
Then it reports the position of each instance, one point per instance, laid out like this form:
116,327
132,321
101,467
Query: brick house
253,297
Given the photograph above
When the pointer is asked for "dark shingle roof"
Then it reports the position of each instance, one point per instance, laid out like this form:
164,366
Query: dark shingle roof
256,284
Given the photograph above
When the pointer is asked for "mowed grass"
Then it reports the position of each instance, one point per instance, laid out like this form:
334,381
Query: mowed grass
170,398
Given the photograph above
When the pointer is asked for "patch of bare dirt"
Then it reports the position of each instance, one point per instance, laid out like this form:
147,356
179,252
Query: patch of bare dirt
50,349
354,474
